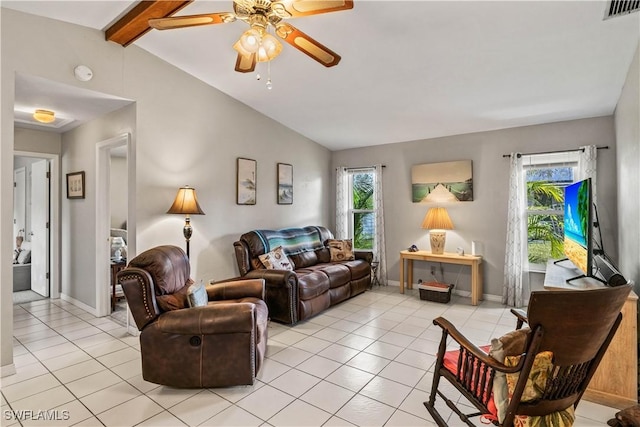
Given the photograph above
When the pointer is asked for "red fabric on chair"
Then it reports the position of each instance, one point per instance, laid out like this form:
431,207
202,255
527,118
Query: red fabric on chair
450,363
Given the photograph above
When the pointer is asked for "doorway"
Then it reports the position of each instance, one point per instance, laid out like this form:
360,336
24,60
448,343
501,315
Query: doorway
115,208
36,231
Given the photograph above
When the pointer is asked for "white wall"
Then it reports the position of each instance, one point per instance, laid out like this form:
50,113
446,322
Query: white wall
483,219
37,141
627,118
185,132
78,215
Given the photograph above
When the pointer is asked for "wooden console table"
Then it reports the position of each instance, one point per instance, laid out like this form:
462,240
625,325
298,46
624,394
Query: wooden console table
474,261
615,382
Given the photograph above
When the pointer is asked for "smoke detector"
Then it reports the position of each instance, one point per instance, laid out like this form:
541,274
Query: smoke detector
83,73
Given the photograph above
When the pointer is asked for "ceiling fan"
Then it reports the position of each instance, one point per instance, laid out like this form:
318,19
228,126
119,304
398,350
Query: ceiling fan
256,44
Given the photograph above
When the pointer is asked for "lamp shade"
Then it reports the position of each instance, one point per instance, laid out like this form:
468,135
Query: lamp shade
437,219
186,202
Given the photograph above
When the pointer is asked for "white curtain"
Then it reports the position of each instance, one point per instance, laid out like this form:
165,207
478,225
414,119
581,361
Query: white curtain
587,163
516,264
342,203
379,253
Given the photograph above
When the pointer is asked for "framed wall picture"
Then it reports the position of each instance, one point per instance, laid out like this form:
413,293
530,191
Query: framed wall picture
75,185
285,184
246,181
442,182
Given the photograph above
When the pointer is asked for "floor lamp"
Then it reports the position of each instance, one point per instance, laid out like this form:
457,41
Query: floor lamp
186,203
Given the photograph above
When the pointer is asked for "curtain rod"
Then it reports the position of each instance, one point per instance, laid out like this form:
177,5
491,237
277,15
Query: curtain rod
362,167
603,147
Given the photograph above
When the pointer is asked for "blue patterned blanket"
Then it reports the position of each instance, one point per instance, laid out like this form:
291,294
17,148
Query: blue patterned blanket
293,240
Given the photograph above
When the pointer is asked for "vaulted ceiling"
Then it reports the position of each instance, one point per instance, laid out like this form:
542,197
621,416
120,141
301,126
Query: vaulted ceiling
410,70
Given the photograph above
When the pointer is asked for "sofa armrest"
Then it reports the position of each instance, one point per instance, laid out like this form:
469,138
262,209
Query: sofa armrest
365,255
235,289
272,277
281,293
212,319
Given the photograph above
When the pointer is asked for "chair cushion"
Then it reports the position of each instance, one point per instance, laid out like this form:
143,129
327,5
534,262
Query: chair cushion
175,301
450,363
276,260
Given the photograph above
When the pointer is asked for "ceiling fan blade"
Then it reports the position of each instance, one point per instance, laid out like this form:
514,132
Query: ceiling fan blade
246,63
297,8
191,20
307,45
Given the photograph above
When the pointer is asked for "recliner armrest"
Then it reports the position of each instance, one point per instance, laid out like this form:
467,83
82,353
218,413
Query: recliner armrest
235,289
212,319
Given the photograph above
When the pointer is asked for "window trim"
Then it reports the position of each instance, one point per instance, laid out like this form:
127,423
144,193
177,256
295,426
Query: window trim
351,211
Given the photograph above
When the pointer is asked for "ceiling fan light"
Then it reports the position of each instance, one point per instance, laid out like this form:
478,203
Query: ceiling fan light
44,116
270,48
250,40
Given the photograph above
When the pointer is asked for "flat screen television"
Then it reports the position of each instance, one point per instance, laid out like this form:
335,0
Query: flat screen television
578,226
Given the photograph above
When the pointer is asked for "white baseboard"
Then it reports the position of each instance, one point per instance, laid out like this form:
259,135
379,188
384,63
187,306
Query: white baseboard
487,297
7,370
79,304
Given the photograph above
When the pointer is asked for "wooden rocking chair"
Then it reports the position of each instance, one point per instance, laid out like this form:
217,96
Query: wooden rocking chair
572,328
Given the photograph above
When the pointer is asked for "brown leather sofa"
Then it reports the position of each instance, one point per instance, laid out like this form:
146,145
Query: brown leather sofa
315,284
217,345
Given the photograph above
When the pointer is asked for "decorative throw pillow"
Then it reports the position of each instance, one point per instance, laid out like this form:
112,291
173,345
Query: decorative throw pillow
276,260
542,365
540,371
340,250
197,295
24,257
510,344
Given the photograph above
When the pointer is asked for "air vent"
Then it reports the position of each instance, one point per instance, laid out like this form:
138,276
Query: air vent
621,7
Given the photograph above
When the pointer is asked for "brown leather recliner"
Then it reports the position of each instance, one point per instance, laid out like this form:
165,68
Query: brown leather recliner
217,345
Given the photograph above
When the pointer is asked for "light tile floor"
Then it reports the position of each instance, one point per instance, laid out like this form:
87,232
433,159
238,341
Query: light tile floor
365,362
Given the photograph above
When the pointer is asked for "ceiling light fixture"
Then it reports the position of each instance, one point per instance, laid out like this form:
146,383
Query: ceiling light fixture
44,116
258,45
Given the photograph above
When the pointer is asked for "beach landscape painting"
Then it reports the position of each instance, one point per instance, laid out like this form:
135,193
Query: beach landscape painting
285,184
246,182
442,182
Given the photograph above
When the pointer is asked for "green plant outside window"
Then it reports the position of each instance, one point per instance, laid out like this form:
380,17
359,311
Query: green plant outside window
362,209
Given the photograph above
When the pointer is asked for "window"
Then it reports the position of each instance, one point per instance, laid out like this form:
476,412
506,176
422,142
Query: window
546,175
361,212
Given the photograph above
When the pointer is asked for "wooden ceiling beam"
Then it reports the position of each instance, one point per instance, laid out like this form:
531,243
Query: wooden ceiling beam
135,23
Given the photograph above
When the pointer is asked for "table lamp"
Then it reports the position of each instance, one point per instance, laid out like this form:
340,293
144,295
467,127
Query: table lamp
186,203
437,221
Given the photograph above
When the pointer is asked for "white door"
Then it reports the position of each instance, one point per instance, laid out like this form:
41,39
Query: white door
19,202
40,227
